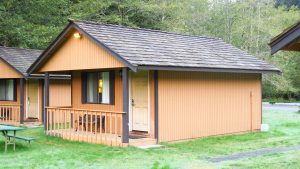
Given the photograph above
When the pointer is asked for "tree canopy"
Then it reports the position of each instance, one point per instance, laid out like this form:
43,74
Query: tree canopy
246,24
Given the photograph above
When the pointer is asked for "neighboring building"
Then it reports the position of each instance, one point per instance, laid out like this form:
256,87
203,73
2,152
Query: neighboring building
21,95
138,86
288,40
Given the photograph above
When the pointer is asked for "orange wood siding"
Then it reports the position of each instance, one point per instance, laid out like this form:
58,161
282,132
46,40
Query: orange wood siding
76,95
7,72
80,54
60,93
40,100
193,104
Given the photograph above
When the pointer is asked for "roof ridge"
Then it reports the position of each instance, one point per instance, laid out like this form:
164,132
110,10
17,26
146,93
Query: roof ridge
144,29
20,48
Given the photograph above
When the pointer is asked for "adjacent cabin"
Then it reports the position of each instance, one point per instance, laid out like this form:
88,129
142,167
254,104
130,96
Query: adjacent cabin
136,86
288,40
21,95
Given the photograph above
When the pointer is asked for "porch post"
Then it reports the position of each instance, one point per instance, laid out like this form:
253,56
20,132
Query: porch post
125,133
46,98
22,101
156,102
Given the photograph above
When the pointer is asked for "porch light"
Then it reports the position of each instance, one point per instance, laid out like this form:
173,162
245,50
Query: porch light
100,85
77,35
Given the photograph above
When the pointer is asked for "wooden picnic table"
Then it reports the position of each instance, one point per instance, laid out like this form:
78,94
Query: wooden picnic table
5,129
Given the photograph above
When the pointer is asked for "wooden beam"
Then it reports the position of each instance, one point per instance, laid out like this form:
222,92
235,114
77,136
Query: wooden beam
46,97
22,101
156,103
125,133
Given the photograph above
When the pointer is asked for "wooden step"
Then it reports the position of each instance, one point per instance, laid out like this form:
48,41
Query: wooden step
142,142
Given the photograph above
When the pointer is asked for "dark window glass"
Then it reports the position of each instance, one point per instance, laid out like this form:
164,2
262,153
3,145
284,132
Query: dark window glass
7,89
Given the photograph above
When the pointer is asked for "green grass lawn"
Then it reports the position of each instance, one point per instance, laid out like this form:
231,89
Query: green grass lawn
51,152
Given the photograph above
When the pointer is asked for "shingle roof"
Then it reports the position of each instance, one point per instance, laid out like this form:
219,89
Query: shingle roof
145,47
287,39
20,59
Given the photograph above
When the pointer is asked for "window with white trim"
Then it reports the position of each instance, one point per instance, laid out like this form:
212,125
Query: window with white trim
98,87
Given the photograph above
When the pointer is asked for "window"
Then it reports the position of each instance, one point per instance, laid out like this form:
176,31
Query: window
8,90
98,87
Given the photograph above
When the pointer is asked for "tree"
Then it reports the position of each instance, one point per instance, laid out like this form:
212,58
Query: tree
288,3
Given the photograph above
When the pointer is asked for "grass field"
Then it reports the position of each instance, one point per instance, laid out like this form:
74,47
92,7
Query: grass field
50,152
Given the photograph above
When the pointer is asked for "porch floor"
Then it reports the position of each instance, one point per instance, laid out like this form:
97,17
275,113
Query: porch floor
100,138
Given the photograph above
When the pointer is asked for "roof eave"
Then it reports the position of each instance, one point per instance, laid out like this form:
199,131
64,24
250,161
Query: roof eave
287,37
202,69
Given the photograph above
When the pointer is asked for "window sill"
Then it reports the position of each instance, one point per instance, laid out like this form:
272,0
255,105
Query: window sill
8,101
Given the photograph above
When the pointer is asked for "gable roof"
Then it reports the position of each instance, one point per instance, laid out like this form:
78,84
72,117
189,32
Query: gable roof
152,49
285,39
18,58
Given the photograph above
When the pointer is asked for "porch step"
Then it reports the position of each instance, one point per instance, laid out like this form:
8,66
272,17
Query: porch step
33,124
142,142
150,146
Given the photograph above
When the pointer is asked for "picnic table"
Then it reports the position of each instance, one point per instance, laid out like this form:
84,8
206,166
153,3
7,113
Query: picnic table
5,129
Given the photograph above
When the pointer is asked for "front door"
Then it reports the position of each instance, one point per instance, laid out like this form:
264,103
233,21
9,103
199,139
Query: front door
33,99
139,100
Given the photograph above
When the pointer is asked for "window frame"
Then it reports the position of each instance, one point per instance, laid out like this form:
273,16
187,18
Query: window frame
14,90
111,87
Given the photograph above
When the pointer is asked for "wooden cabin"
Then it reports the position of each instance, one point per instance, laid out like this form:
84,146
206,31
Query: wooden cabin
288,40
21,95
137,86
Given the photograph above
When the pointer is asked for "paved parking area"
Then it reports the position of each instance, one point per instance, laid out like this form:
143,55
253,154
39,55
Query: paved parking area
281,106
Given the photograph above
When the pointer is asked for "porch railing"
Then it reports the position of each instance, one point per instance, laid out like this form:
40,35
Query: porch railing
93,126
10,114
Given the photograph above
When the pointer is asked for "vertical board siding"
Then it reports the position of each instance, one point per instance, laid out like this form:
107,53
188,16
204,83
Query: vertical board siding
76,95
60,93
7,72
80,54
40,100
193,104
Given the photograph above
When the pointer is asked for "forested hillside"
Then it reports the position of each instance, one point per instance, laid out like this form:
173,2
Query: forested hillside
247,24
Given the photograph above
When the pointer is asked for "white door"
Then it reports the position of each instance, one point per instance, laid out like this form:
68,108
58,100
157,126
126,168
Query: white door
139,100
33,98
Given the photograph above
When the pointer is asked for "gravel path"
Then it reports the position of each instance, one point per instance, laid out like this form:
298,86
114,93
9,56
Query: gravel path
253,153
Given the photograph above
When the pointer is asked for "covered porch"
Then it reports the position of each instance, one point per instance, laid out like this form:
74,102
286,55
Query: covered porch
104,118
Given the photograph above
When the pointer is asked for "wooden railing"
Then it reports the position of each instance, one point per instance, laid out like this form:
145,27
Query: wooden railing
93,126
10,114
